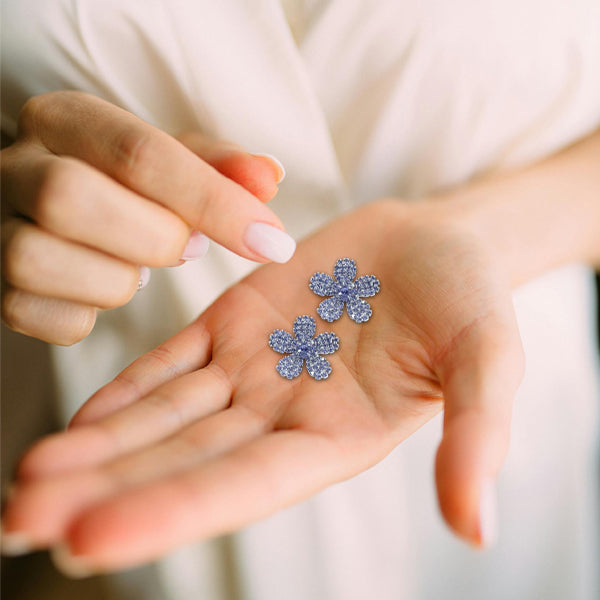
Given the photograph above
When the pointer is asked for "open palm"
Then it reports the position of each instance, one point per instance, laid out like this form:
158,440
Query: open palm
202,435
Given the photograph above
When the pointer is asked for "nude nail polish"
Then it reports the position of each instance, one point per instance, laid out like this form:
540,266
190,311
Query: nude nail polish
196,247
269,242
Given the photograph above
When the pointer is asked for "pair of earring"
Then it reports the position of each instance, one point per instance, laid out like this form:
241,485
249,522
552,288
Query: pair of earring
343,289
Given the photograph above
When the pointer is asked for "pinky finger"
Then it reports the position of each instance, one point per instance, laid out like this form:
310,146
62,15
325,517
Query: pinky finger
52,320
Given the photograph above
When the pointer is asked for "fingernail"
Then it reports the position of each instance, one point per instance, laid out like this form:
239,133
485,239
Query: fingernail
488,513
71,566
270,242
144,277
16,544
277,162
196,247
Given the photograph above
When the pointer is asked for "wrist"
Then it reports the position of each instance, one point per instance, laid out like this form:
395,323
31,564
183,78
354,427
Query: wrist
535,218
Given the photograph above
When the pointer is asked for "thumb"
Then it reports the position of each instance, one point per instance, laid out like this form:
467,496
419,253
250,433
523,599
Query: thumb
480,375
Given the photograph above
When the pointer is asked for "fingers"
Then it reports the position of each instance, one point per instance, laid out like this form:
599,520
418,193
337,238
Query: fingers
71,199
190,447
479,376
219,496
164,412
40,263
258,173
35,513
186,351
49,319
155,165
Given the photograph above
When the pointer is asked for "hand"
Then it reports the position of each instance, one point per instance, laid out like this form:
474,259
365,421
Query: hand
202,436
93,192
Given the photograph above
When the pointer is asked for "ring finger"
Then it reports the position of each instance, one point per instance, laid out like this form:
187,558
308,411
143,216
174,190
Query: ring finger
41,263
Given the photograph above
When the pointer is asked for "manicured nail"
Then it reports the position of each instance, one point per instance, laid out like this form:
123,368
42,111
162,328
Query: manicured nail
277,162
16,544
488,513
144,277
196,247
270,242
74,567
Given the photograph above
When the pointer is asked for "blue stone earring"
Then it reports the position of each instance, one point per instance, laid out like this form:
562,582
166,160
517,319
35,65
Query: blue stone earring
344,290
304,348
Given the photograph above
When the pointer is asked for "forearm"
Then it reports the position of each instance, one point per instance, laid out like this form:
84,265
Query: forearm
539,217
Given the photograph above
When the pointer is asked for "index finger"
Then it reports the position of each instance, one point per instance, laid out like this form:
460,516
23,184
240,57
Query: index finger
157,166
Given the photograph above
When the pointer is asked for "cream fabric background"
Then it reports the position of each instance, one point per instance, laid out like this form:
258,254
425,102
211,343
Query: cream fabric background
358,99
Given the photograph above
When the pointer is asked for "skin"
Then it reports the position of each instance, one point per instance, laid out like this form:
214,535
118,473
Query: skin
161,455
90,185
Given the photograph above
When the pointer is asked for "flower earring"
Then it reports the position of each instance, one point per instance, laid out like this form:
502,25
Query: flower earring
304,348
344,290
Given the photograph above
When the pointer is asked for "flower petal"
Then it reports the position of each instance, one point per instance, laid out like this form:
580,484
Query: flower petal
322,284
318,367
366,286
358,309
327,343
290,366
282,341
304,327
345,270
330,309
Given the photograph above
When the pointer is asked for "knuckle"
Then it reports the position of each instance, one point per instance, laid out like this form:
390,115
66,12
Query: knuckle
167,243
135,158
42,109
125,285
21,259
59,188
31,114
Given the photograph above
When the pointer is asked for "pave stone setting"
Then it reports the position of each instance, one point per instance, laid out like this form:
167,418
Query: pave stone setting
304,348
344,289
